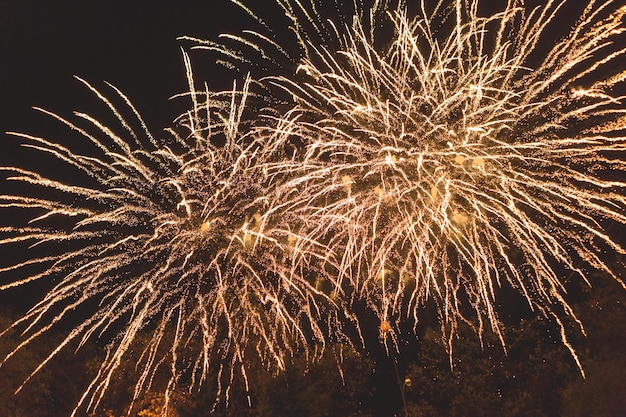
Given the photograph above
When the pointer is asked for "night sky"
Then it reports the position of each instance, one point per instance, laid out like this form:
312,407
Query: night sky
131,44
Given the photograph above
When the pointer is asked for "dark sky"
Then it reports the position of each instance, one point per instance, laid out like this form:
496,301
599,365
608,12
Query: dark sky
131,44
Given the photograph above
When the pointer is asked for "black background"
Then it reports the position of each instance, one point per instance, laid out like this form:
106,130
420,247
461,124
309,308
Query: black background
131,44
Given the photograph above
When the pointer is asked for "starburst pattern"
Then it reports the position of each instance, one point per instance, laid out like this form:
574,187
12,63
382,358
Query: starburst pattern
454,161
175,245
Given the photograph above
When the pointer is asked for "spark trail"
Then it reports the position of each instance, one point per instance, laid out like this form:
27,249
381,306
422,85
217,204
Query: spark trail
453,157
174,247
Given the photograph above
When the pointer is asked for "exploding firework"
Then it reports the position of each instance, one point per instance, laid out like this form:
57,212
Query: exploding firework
169,247
444,155
430,155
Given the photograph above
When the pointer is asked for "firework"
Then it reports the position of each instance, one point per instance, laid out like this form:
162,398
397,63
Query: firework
444,156
170,246
429,155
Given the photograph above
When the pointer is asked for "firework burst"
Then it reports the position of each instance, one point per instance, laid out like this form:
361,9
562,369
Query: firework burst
174,248
450,159
434,155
